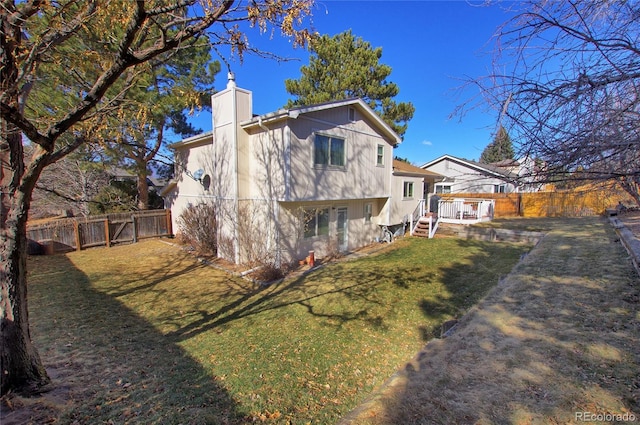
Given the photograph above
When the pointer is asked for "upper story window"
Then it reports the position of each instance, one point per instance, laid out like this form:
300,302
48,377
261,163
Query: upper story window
407,191
499,188
380,155
352,114
329,151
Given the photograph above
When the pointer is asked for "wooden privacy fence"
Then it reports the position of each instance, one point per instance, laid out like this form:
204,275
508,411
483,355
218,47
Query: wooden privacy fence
104,230
571,203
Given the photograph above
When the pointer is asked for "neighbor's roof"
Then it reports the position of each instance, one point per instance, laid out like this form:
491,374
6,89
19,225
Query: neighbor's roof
295,112
506,163
483,168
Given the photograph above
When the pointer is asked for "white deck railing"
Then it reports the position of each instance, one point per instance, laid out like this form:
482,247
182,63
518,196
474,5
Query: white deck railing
465,211
453,210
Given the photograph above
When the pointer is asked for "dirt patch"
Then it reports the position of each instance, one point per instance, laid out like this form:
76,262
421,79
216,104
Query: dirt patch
42,409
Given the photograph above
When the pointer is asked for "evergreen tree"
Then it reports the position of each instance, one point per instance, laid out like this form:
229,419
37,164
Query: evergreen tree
154,103
500,149
344,67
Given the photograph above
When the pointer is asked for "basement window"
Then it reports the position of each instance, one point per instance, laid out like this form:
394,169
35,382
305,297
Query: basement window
316,222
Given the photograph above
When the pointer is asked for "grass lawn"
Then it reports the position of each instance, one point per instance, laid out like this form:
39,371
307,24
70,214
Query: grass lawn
144,333
556,342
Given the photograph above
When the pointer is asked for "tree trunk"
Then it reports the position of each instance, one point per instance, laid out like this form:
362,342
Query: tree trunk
143,190
21,369
20,364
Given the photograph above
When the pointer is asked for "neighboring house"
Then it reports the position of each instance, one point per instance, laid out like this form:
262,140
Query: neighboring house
527,171
119,174
464,176
313,178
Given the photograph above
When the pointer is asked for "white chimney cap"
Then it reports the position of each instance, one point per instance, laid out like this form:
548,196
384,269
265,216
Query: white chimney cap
231,77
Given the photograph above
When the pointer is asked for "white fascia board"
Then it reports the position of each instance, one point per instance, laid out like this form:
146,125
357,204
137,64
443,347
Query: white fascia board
193,140
295,112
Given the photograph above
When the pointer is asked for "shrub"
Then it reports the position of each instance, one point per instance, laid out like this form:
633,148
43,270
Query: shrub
268,273
198,228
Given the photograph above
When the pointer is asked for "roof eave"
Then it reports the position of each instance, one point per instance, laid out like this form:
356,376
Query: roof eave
294,113
168,188
193,140
470,165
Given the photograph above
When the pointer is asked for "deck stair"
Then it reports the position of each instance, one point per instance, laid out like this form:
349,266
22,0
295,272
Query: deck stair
426,226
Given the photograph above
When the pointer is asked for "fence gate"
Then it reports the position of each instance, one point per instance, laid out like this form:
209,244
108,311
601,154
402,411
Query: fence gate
122,230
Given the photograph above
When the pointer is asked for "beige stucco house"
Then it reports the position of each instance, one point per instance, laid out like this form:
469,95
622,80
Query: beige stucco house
411,184
314,178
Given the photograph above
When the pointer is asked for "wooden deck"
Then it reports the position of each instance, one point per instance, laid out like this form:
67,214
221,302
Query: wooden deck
453,211
465,211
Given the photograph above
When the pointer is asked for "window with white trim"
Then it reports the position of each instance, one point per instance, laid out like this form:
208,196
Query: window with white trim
368,212
407,190
380,155
316,222
352,114
329,151
499,188
443,188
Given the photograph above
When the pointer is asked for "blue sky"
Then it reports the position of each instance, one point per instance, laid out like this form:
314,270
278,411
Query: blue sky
430,45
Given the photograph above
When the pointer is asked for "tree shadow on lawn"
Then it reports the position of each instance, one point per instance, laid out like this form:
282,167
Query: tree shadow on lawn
107,363
371,293
558,337
355,295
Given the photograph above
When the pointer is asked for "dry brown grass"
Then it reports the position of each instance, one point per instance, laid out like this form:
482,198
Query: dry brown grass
559,336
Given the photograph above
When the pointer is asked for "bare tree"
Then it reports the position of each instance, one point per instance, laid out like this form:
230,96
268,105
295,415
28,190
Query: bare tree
70,184
566,81
39,40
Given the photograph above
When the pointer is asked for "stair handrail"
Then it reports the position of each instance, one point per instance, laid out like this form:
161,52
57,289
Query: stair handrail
415,216
433,227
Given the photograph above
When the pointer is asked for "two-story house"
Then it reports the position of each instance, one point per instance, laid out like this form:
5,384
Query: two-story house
312,178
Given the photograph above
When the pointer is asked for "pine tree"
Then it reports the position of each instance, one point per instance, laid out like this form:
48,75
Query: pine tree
500,149
344,67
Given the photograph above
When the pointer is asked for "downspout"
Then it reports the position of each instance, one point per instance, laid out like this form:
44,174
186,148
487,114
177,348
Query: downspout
390,188
287,177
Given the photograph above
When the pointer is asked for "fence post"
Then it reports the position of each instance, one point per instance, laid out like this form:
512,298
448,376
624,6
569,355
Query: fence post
76,231
520,212
135,231
107,233
169,222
